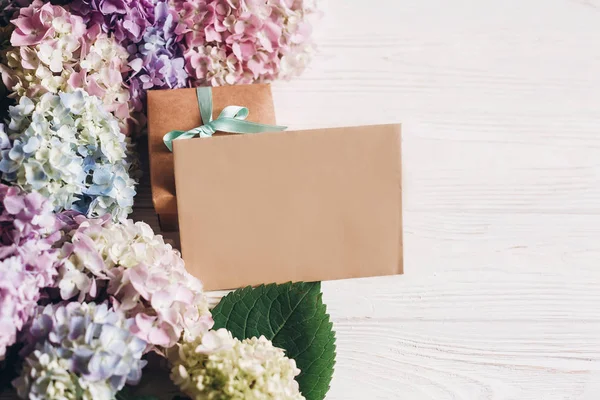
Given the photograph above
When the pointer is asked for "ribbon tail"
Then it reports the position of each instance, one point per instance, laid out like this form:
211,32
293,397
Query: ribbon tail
174,135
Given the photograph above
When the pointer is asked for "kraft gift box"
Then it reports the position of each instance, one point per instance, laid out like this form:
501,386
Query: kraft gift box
178,110
290,206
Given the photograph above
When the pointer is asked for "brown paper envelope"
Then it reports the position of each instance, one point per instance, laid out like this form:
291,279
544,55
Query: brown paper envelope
178,110
292,206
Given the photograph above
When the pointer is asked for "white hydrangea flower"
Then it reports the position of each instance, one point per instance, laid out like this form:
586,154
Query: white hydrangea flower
46,376
70,149
217,366
68,57
144,276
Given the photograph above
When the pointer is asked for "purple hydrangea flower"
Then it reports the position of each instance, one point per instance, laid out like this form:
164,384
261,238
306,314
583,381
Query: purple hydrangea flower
127,20
147,29
158,61
80,346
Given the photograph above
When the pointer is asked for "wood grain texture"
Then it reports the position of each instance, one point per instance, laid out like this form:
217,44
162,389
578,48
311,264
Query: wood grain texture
500,102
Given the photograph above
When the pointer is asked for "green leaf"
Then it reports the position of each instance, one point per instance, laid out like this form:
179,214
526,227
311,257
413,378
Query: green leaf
294,317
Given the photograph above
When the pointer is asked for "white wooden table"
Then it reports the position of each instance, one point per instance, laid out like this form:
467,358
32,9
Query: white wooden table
500,102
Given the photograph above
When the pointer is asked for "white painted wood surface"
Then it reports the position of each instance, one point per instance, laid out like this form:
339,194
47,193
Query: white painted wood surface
501,105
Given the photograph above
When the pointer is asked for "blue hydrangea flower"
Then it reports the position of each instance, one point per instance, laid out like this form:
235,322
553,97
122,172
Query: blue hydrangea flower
67,147
80,351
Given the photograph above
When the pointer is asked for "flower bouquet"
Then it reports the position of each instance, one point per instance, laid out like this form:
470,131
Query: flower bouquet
118,49
87,295
83,300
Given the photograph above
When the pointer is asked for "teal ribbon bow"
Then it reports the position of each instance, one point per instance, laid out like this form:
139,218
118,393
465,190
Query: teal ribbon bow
232,119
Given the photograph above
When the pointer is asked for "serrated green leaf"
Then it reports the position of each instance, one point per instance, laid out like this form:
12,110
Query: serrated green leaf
294,317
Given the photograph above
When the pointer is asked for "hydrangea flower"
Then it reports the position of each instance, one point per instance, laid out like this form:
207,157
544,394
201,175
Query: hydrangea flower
28,229
127,20
46,376
217,366
68,148
141,275
245,41
53,51
158,62
80,351
147,29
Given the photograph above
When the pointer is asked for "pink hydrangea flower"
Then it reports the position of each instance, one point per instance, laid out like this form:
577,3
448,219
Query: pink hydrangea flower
37,22
28,229
139,273
53,51
245,41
